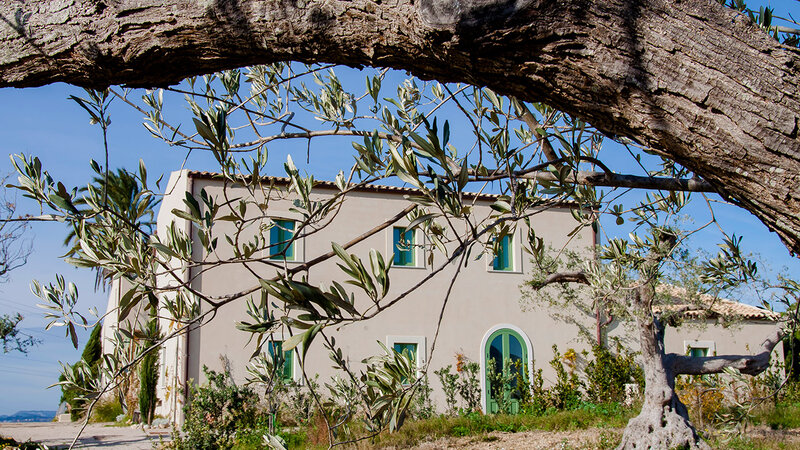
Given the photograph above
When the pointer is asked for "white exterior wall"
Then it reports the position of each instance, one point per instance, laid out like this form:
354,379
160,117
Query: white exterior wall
172,359
481,300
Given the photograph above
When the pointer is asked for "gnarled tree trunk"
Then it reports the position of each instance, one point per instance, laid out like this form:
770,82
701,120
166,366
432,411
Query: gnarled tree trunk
664,420
696,81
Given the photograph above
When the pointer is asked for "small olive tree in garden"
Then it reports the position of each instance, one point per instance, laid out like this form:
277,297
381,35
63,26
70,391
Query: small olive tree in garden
634,280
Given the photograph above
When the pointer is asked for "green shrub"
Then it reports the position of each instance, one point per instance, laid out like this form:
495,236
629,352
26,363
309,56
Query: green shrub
464,384
783,416
469,387
148,373
449,382
216,412
607,374
106,410
422,406
75,396
297,403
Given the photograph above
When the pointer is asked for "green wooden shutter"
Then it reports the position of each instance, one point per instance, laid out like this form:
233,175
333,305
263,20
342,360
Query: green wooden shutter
695,352
279,236
403,247
502,259
412,349
286,371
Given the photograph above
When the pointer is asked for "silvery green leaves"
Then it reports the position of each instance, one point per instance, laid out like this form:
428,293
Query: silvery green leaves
111,221
203,217
375,282
262,323
330,103
731,267
96,104
370,159
60,299
390,380
212,126
310,209
37,184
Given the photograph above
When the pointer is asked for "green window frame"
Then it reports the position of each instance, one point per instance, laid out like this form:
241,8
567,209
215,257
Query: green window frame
280,240
286,369
698,351
403,246
504,255
411,347
506,352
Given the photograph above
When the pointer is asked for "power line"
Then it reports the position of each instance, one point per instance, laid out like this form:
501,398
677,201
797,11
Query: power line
25,358
20,306
26,373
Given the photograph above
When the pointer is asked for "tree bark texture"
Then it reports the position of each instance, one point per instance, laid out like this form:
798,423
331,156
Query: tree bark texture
698,82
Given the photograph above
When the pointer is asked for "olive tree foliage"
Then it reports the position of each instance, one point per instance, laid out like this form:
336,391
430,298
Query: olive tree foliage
444,140
14,251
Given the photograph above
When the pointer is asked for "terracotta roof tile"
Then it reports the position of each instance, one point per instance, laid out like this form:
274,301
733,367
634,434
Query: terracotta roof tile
710,306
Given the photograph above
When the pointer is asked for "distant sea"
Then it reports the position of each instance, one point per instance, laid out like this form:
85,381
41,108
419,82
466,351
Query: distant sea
29,416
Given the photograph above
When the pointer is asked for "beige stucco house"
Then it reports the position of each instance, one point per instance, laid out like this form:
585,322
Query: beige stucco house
483,317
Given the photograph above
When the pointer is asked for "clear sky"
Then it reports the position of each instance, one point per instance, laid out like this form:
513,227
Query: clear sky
43,122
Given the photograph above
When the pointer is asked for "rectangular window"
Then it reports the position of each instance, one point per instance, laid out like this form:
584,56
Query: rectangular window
503,255
696,348
283,361
280,240
411,347
414,345
698,351
403,246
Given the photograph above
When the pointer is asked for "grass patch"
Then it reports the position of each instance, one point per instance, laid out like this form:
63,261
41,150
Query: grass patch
783,416
475,424
752,443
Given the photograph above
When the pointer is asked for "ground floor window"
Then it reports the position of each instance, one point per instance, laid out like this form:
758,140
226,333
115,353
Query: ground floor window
414,345
699,348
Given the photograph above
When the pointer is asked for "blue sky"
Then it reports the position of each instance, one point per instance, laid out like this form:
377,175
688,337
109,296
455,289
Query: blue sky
43,122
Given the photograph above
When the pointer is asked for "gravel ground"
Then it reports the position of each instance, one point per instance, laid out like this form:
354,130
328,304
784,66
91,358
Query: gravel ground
59,435
589,439
533,440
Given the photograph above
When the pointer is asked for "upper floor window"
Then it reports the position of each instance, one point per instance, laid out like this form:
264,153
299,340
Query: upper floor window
281,240
403,246
504,254
283,360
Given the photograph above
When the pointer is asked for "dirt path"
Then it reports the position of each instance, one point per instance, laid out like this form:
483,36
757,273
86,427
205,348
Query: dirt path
589,439
534,440
59,435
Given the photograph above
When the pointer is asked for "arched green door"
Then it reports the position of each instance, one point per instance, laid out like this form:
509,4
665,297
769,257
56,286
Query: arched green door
506,370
